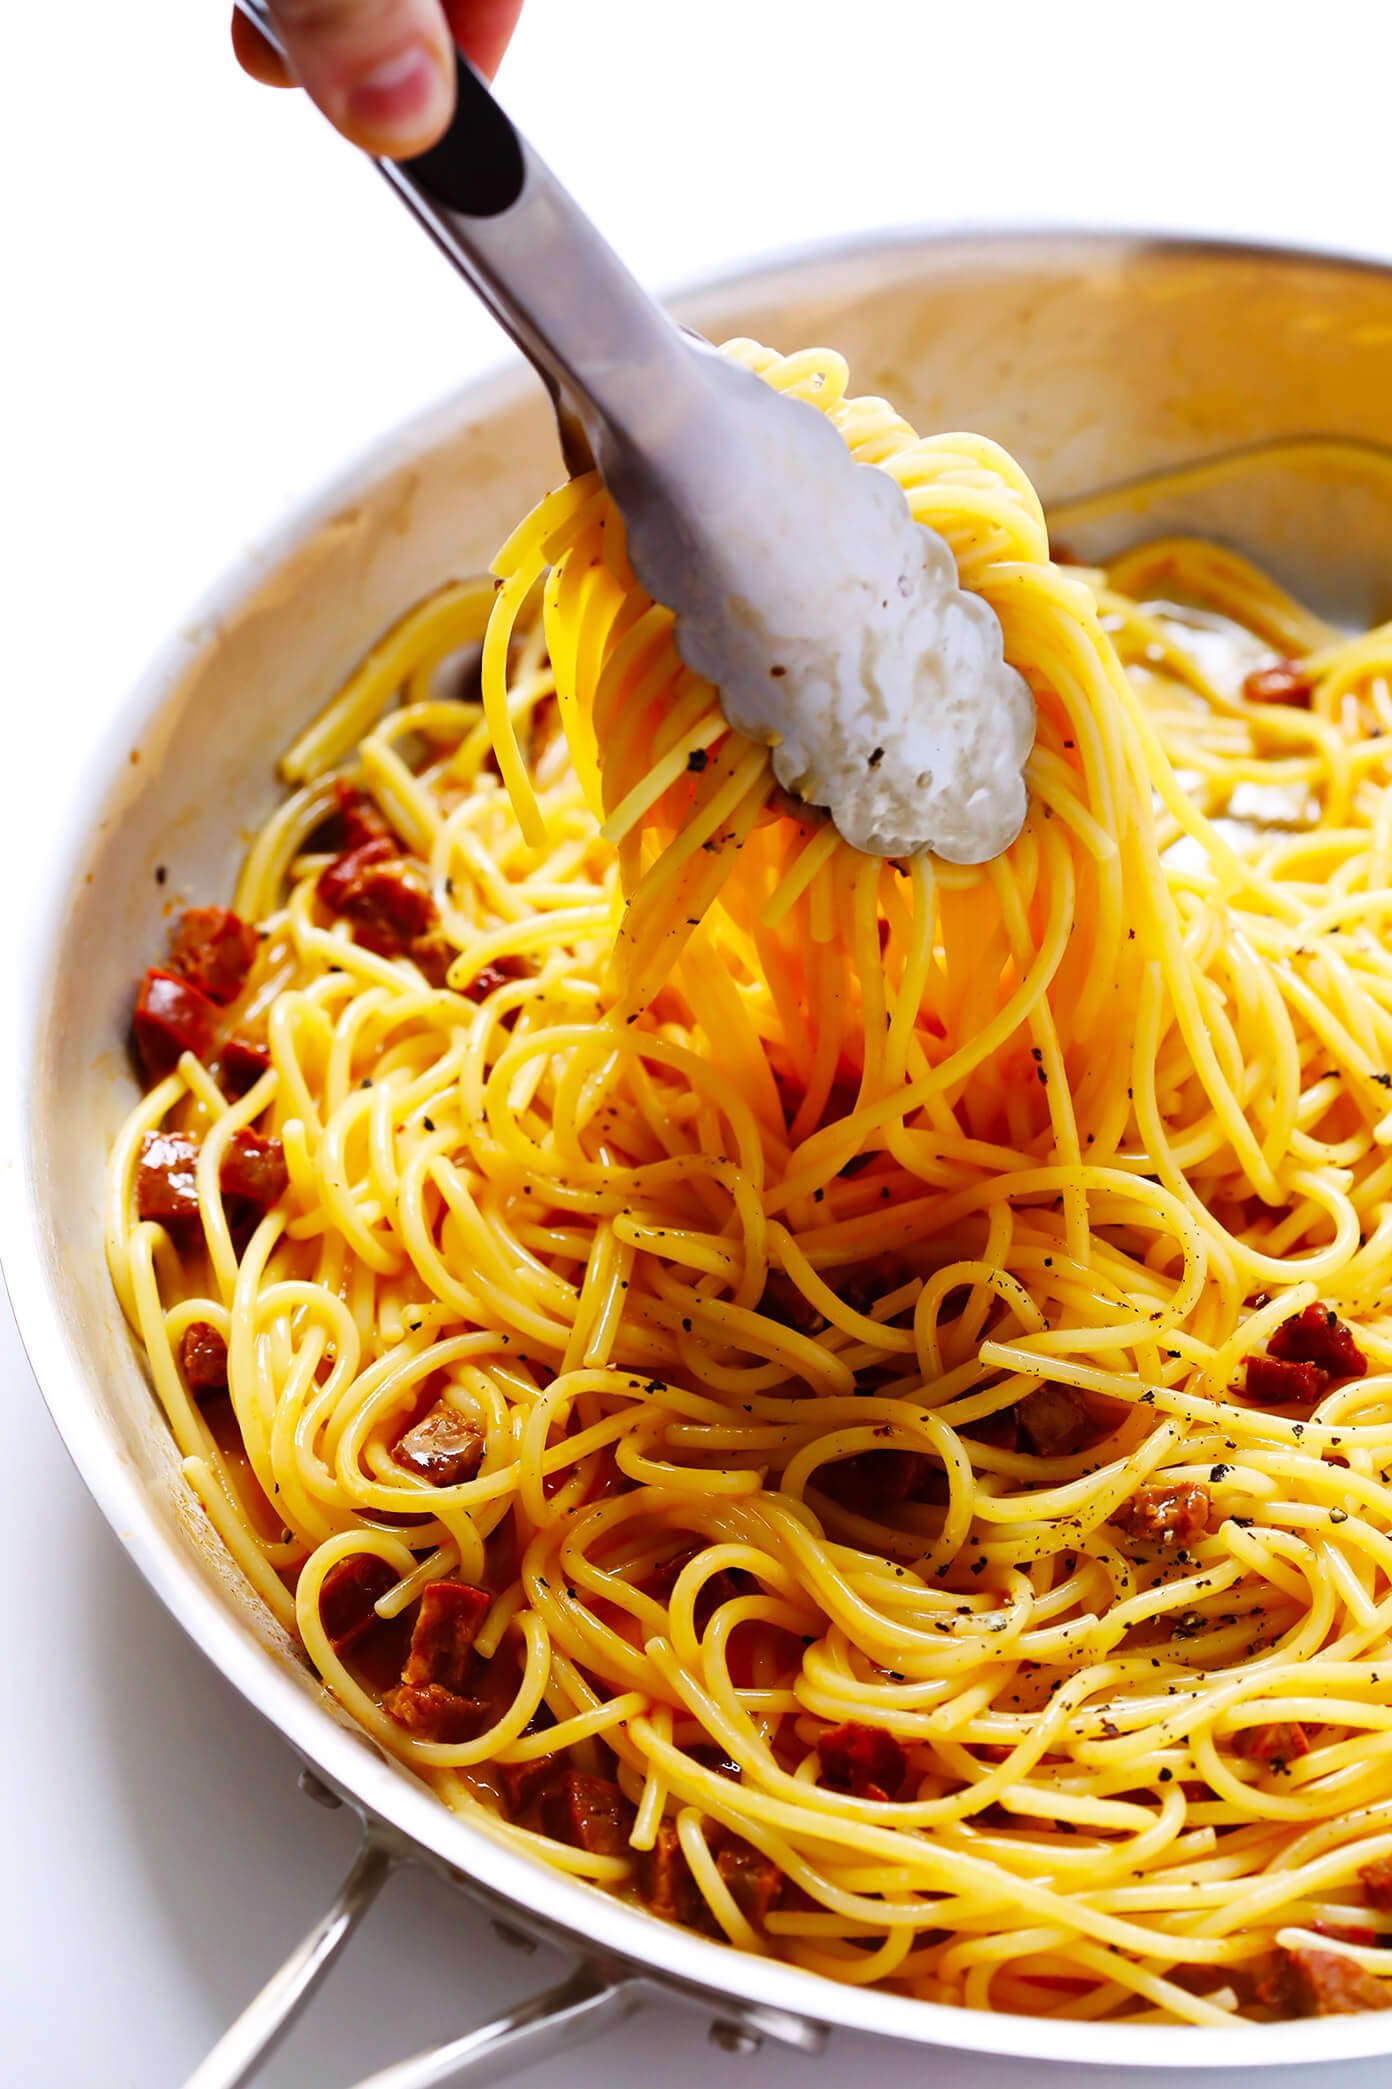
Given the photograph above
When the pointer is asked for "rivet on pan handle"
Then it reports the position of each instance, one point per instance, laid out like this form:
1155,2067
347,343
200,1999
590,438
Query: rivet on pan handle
584,2003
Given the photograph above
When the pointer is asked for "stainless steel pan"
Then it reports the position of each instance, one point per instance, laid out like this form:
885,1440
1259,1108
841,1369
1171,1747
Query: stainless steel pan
1104,363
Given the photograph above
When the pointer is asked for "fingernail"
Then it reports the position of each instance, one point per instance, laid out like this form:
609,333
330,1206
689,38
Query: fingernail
400,97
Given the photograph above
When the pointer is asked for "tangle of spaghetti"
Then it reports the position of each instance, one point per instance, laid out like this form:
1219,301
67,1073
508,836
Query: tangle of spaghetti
901,1350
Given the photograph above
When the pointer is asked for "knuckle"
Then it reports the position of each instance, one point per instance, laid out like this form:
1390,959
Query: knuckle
313,18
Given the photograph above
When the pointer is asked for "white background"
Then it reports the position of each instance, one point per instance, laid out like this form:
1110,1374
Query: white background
209,305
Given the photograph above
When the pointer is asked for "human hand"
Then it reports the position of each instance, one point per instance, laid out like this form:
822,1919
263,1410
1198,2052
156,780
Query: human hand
382,71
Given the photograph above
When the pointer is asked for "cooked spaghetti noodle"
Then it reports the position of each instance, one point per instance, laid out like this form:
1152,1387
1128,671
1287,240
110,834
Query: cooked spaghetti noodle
852,1320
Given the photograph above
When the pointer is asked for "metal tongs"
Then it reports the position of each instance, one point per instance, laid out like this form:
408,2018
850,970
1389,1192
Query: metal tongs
830,623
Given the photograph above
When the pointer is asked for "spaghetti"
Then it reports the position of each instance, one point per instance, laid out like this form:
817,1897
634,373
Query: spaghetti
849,1398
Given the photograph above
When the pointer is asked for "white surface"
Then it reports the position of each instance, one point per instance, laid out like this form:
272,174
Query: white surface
210,305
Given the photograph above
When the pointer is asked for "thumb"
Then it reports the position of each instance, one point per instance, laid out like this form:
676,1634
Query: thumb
382,71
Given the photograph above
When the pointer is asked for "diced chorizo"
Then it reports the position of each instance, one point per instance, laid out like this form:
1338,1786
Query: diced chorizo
1167,1512
215,949
447,1624
433,1698
1277,1382
338,880
754,1880
665,1881
391,910
586,1813
521,1782
1287,682
347,1596
445,1447
1302,1981
1279,1742
172,1016
253,1168
1347,1932
500,971
385,897
203,1354
166,1180
357,818
433,954
1318,1336
1055,1421
240,1065
434,1713
864,1760
1377,1884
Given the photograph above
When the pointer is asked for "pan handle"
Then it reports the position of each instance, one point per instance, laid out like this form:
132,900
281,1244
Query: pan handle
268,2016
549,2023
582,2004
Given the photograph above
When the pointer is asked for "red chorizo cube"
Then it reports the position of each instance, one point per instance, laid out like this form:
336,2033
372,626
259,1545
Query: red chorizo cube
754,1880
447,1624
864,1760
521,1782
435,1713
587,1813
240,1065
348,1594
499,972
432,954
665,1881
1167,1512
1287,682
1280,1741
339,879
390,907
203,1354
1275,1382
357,817
215,949
166,1179
385,897
1303,1981
1318,1336
253,1168
1377,1884
445,1447
172,1016
1056,1421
